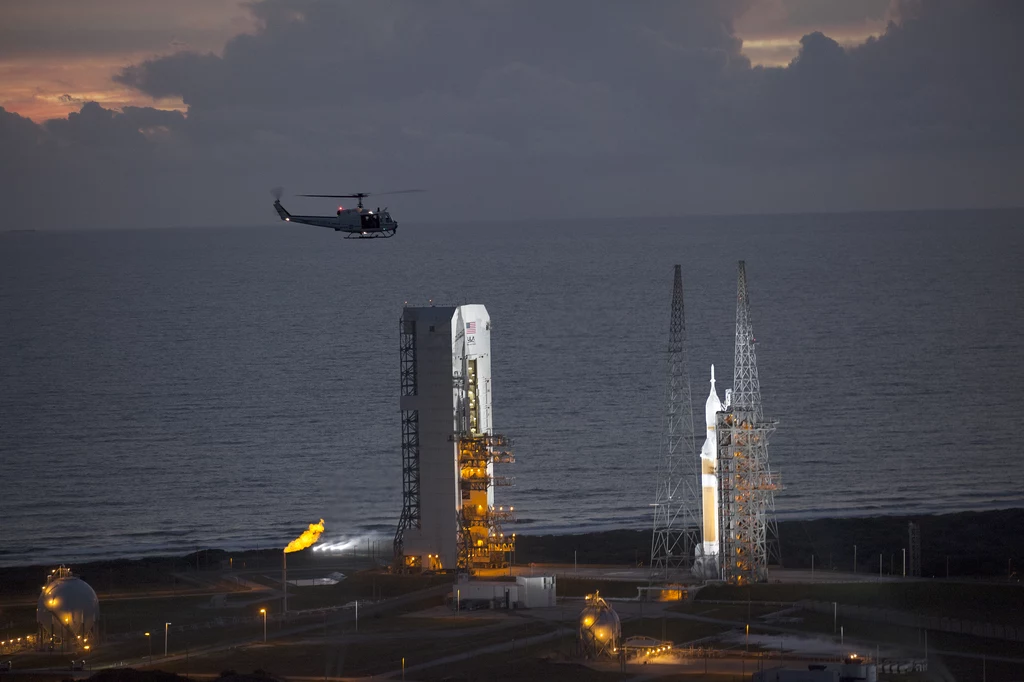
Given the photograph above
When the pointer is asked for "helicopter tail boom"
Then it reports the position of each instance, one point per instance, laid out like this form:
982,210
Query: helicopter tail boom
285,215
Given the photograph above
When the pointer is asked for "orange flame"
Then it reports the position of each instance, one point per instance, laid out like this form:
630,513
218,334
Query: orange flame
307,538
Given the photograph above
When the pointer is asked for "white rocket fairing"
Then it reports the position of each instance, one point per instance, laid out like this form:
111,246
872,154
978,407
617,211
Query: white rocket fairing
709,480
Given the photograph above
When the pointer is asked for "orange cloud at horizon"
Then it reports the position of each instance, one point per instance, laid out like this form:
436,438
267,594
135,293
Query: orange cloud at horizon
47,88
780,50
54,79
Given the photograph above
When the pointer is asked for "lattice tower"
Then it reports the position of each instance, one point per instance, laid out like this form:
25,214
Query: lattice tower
749,530
746,390
410,439
676,507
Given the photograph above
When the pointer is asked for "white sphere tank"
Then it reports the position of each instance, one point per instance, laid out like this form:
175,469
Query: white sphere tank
600,630
68,612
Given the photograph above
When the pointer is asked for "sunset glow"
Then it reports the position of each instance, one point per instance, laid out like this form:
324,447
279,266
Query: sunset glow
57,55
780,50
42,88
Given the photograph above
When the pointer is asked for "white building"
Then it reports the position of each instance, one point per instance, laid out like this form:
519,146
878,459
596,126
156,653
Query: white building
526,592
448,446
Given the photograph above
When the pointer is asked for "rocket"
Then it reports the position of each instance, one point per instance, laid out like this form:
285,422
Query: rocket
709,476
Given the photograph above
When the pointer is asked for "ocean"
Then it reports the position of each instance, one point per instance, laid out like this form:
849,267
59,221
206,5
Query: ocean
165,390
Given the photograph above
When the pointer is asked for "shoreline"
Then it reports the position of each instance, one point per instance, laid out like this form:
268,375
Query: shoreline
525,528
977,544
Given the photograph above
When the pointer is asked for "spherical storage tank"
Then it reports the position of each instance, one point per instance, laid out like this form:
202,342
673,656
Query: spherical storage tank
599,627
68,612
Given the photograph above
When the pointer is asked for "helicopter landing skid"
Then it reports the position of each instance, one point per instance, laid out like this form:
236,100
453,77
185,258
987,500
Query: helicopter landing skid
383,234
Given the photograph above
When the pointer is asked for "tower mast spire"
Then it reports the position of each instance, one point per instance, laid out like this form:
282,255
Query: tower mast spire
747,487
676,526
746,392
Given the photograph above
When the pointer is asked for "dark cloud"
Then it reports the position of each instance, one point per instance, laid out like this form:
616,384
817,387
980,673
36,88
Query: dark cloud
313,53
834,12
75,41
573,104
66,28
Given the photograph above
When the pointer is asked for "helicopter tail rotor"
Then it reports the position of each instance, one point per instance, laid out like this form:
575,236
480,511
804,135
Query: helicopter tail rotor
277,192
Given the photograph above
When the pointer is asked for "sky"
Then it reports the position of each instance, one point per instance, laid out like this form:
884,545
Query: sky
143,113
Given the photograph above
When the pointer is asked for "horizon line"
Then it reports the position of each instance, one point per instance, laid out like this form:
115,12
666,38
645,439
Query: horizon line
492,221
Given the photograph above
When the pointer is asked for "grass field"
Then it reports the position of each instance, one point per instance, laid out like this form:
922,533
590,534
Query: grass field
973,543
361,654
743,613
581,587
671,629
987,602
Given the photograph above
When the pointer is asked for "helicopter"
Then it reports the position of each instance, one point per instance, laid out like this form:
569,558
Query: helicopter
357,223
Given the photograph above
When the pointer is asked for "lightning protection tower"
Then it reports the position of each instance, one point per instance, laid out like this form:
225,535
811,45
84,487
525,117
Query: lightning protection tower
676,523
749,532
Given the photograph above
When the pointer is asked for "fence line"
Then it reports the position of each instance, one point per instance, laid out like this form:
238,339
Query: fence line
915,620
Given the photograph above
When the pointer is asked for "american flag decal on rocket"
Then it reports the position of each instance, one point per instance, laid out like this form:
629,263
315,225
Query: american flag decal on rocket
471,327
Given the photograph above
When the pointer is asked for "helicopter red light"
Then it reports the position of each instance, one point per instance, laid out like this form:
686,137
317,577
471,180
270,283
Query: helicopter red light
341,208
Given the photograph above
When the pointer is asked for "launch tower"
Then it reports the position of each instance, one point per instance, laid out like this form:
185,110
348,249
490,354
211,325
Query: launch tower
449,519
748,531
676,528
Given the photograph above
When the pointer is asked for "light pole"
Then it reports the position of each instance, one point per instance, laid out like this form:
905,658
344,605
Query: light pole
166,627
834,613
855,558
904,562
150,639
264,612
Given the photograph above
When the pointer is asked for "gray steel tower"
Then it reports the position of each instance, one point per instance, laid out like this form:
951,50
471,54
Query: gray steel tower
410,439
676,523
748,532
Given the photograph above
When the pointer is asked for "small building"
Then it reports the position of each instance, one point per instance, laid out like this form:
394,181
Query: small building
663,593
536,592
848,671
526,592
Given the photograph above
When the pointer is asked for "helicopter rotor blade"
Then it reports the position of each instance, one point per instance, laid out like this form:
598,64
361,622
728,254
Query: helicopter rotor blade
400,191
359,195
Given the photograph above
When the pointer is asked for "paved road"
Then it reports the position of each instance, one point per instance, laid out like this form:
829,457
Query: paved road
334,619
494,648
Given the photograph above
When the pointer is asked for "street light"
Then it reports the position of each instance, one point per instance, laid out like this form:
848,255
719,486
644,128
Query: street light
166,626
264,612
150,640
